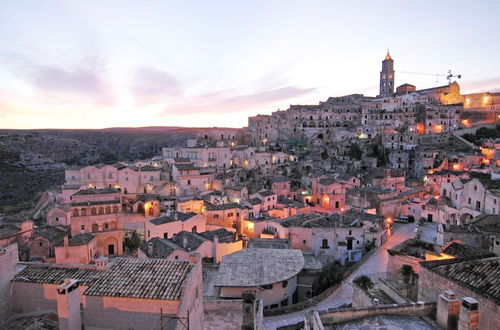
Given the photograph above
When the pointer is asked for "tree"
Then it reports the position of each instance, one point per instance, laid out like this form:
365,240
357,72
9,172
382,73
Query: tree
364,282
406,272
330,274
133,243
355,152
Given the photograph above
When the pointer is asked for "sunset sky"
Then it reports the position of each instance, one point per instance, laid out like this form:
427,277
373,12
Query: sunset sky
96,64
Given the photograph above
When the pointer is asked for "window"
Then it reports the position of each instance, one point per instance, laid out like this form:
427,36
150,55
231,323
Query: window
216,216
41,244
304,242
324,244
230,214
165,235
469,201
149,234
267,287
57,219
350,232
475,188
82,227
285,283
189,182
478,205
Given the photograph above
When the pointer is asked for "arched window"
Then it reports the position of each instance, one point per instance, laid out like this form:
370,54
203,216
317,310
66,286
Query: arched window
95,228
108,209
76,212
151,211
115,209
93,211
83,212
101,210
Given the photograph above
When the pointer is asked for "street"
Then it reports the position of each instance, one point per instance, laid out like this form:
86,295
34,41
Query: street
375,266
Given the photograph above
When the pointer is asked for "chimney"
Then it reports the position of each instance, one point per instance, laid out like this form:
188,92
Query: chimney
102,263
150,248
216,248
248,297
184,241
194,257
448,309
469,314
68,305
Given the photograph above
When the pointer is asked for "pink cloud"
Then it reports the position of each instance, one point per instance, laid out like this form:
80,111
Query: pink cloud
232,101
152,86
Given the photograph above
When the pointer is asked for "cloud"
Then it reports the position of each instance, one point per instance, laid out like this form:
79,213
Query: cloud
153,86
82,84
480,85
231,101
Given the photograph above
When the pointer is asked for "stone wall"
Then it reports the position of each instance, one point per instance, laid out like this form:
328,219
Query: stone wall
392,292
338,315
431,285
361,298
8,259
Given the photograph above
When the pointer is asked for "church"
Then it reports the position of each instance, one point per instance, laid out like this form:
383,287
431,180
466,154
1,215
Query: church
446,95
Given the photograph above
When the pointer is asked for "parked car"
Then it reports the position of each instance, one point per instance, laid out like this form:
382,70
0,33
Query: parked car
402,219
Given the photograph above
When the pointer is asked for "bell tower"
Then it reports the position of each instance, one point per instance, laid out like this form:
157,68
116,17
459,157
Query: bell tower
387,76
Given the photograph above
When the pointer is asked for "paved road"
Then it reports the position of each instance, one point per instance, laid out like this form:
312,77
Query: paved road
375,265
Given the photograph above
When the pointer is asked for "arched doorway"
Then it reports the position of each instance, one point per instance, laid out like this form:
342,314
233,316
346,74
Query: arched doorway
465,218
110,246
140,208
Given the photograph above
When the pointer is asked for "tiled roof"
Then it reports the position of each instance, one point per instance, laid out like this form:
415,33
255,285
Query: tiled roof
193,240
228,206
161,248
266,193
8,230
56,274
459,250
279,179
148,168
143,278
172,217
88,203
94,191
327,181
223,235
254,201
481,276
81,239
54,235
256,267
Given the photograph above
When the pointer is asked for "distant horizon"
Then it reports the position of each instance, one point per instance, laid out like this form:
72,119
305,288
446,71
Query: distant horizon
88,65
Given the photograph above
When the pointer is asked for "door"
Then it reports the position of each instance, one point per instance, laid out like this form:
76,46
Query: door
349,244
429,217
111,249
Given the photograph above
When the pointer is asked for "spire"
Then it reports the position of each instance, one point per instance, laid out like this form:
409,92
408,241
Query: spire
388,56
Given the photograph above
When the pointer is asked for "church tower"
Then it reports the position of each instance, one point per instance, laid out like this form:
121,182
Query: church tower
387,76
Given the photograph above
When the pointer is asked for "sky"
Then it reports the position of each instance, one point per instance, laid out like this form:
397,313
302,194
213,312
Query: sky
124,63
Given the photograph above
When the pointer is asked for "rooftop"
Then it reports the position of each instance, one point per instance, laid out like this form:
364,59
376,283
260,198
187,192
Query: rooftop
459,250
172,217
126,277
480,276
255,267
95,191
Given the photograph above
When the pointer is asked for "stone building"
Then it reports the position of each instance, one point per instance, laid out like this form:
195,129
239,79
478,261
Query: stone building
387,77
263,271
171,289
466,277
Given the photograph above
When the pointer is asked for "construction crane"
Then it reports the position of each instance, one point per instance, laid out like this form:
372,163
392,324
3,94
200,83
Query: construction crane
448,76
